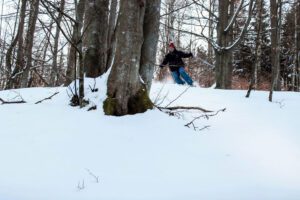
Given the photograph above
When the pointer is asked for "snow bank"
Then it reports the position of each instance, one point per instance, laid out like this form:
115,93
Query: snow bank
49,150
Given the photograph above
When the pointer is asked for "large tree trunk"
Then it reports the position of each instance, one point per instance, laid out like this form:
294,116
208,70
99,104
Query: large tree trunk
126,94
275,10
71,64
54,76
29,41
13,79
223,57
151,35
96,32
226,44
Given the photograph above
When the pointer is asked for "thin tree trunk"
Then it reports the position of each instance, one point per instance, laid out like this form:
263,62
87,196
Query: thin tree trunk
13,79
29,41
151,35
125,93
258,51
78,41
275,43
71,64
54,71
210,28
297,44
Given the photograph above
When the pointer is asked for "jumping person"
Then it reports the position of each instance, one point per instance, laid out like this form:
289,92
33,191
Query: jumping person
176,65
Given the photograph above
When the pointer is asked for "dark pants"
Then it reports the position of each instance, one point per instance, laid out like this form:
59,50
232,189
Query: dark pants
180,73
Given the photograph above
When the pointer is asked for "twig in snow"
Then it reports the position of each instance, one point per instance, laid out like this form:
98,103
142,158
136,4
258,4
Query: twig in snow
47,98
281,104
178,96
206,116
94,89
93,175
158,95
80,185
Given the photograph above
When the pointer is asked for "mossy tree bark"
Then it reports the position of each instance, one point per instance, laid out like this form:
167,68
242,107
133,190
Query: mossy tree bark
126,94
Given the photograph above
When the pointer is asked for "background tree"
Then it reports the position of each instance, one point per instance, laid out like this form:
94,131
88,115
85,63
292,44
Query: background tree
96,37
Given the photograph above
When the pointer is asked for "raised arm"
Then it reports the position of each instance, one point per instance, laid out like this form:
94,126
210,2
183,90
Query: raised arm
185,55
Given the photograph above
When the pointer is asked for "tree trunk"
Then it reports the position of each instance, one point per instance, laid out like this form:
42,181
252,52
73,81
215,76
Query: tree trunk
297,43
71,64
29,41
225,43
258,51
210,29
126,94
111,32
151,35
54,76
275,10
95,37
223,57
13,79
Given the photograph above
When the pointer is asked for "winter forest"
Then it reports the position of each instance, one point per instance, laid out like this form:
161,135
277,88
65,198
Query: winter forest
237,45
149,99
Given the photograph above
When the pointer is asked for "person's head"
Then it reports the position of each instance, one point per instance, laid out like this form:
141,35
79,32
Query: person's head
171,47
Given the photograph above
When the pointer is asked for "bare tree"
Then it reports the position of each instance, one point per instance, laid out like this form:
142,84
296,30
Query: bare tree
71,64
151,35
34,10
13,79
96,36
225,43
54,69
275,10
297,43
258,47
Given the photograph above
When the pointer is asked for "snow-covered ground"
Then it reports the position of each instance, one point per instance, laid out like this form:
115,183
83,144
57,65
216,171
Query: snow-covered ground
51,151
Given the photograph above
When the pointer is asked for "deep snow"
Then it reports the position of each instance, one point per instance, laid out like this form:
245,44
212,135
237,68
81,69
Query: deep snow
251,151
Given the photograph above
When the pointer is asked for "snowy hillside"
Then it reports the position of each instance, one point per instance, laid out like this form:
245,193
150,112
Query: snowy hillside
51,151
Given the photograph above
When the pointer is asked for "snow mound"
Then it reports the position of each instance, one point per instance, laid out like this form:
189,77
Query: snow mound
52,151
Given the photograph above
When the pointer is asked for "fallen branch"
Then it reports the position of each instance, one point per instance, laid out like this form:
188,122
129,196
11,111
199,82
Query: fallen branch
48,98
11,102
184,108
203,116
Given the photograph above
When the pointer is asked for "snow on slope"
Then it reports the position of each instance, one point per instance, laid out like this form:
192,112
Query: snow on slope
251,151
